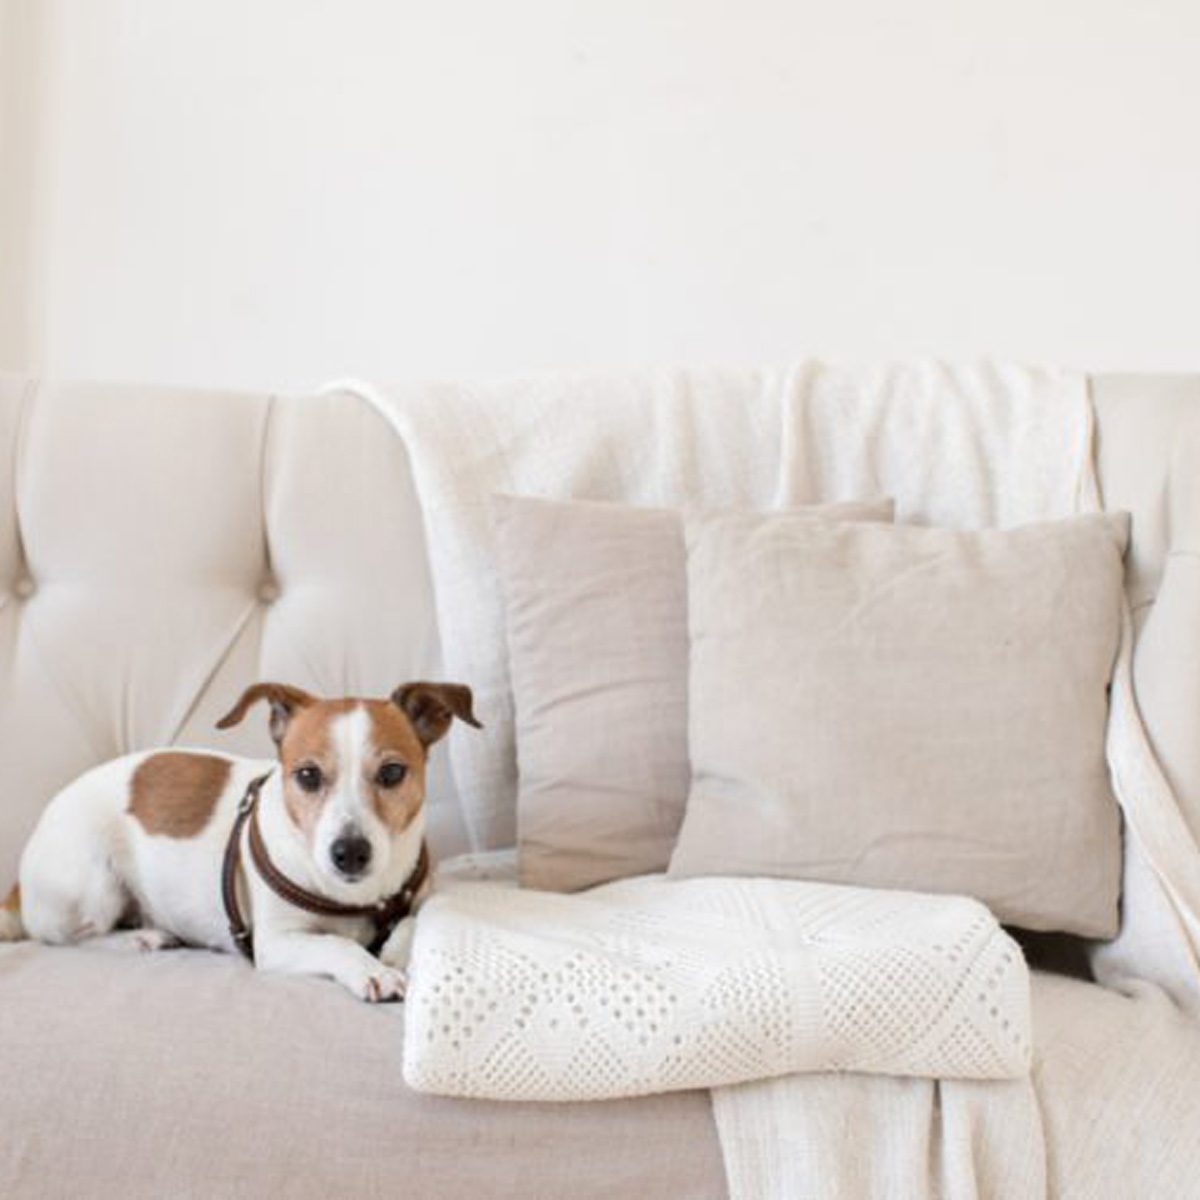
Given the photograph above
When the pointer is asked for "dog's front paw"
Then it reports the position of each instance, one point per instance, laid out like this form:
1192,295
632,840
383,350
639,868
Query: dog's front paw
398,948
379,984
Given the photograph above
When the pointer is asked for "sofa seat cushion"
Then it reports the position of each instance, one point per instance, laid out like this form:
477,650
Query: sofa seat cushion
186,1073
1117,1076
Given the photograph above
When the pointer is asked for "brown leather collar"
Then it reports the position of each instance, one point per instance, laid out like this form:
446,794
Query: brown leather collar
386,913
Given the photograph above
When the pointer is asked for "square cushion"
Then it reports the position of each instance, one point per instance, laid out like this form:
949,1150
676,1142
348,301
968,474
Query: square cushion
596,598
907,707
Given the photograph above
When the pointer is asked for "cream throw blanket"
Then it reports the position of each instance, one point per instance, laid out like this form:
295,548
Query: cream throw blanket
649,985
958,446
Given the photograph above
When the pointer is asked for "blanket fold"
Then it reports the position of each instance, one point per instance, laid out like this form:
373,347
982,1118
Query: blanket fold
651,985
868,1136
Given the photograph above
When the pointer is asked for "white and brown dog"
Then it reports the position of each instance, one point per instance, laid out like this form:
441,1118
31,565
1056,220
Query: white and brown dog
320,854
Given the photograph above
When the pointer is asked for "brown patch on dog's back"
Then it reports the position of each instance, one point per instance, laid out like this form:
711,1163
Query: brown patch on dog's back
12,902
174,793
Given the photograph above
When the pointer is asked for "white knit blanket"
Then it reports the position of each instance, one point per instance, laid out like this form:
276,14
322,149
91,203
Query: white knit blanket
652,985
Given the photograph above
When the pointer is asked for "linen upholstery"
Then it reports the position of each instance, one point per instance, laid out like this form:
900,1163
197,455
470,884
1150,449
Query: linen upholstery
162,548
904,707
188,1074
1116,1080
596,615
1149,457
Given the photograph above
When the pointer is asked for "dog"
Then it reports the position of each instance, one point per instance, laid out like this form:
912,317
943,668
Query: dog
299,863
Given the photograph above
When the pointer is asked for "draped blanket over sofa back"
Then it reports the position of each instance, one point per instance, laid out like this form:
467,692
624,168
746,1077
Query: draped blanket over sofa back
964,447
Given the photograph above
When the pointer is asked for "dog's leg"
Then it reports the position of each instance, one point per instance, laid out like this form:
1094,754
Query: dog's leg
330,955
397,949
73,898
136,941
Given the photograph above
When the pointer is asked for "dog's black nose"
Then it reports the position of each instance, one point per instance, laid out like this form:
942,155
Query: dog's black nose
351,854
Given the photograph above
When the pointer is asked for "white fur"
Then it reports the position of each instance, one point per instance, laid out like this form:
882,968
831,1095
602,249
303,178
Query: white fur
89,858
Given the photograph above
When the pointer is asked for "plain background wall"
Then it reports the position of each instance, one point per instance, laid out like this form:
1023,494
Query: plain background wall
272,192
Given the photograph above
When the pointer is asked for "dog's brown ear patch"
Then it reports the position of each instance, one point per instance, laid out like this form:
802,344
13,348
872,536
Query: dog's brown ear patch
174,793
12,902
431,707
284,700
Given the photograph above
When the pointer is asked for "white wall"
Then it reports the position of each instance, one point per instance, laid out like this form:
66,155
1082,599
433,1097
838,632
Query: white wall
272,192
19,120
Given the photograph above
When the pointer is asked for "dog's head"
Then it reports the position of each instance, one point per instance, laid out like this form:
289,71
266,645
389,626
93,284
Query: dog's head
353,771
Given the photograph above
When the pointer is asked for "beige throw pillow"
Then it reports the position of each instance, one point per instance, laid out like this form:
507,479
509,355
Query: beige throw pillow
909,708
596,599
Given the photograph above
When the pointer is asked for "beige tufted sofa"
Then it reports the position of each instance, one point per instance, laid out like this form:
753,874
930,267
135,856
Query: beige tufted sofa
159,549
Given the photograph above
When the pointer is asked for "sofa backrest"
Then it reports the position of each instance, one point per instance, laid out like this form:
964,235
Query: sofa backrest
1148,459
161,548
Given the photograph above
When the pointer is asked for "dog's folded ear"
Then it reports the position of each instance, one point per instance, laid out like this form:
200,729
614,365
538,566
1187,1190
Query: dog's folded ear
284,700
431,707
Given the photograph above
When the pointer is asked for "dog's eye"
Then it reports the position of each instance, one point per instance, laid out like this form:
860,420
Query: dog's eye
391,774
309,778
